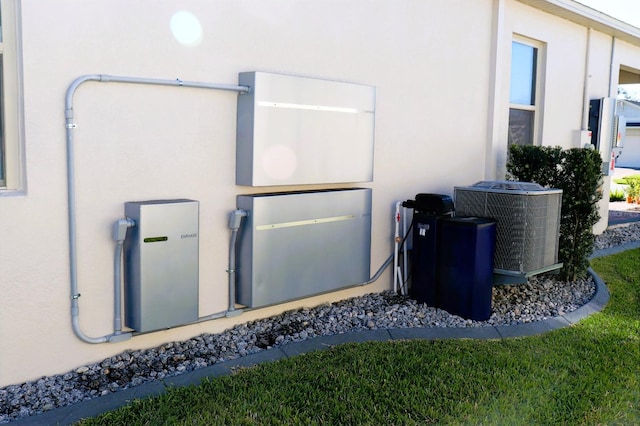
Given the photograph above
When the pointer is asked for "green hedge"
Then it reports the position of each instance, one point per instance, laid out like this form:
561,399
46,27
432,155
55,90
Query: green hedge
577,172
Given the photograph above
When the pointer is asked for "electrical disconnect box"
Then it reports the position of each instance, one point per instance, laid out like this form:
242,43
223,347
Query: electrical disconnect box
161,264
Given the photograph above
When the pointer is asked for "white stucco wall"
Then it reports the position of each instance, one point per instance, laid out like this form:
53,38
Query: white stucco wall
430,64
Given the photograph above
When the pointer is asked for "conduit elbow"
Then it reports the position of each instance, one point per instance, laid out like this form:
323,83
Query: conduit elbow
82,336
236,218
120,229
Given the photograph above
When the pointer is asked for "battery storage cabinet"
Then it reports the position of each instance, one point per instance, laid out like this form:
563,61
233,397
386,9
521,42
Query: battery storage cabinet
161,264
300,244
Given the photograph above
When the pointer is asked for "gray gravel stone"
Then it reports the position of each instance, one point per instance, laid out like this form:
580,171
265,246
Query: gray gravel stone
618,236
539,299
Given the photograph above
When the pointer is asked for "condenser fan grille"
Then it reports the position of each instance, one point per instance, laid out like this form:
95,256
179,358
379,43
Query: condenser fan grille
528,221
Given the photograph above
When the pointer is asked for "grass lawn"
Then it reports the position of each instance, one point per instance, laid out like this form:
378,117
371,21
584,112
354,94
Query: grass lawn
625,180
586,374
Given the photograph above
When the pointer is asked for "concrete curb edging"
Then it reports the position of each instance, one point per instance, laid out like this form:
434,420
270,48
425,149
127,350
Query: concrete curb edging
96,406
615,249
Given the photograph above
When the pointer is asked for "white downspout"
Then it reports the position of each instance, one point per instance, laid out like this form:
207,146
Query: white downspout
587,77
612,69
496,144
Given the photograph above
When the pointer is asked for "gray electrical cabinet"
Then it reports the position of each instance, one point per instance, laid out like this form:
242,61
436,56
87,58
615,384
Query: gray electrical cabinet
161,264
298,131
298,244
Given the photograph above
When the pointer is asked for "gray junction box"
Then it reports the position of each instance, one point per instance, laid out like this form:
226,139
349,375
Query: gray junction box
161,264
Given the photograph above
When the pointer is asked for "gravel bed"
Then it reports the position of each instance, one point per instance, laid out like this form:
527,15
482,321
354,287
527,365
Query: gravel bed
539,299
619,235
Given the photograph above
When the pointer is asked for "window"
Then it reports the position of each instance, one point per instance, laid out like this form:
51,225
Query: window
11,170
524,98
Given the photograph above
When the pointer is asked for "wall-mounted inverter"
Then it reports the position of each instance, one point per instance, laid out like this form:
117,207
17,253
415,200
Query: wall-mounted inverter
161,264
527,223
298,130
298,244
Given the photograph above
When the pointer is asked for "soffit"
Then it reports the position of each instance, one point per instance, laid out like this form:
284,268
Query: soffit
588,17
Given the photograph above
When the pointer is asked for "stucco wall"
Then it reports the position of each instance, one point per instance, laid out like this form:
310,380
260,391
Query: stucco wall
139,142
430,64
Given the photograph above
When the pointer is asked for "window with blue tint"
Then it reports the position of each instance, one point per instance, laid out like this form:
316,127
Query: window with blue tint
523,74
523,93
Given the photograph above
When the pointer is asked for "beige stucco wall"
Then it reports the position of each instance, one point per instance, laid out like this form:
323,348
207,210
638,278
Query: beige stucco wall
429,61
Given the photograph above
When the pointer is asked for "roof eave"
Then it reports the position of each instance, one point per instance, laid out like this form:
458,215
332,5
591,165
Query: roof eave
588,17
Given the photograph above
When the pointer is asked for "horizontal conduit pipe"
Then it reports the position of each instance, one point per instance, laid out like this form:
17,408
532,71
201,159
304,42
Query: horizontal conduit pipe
71,198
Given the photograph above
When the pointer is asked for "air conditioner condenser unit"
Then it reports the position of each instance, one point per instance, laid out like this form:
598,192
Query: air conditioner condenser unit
528,223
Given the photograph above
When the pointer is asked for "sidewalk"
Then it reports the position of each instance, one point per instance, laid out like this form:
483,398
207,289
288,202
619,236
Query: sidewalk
621,212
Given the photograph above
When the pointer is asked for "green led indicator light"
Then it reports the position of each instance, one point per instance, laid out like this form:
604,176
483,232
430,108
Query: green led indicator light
155,239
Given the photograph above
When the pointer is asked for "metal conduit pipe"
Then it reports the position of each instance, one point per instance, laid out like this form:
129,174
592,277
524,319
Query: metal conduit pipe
119,234
117,336
117,289
384,266
234,224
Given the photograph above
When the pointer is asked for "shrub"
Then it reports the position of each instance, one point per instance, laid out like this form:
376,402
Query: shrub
577,172
633,190
616,195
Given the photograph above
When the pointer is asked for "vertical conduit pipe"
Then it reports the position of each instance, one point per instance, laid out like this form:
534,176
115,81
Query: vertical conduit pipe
119,234
117,289
234,224
71,199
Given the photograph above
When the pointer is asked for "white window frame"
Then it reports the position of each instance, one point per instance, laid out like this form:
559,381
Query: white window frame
536,108
14,181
